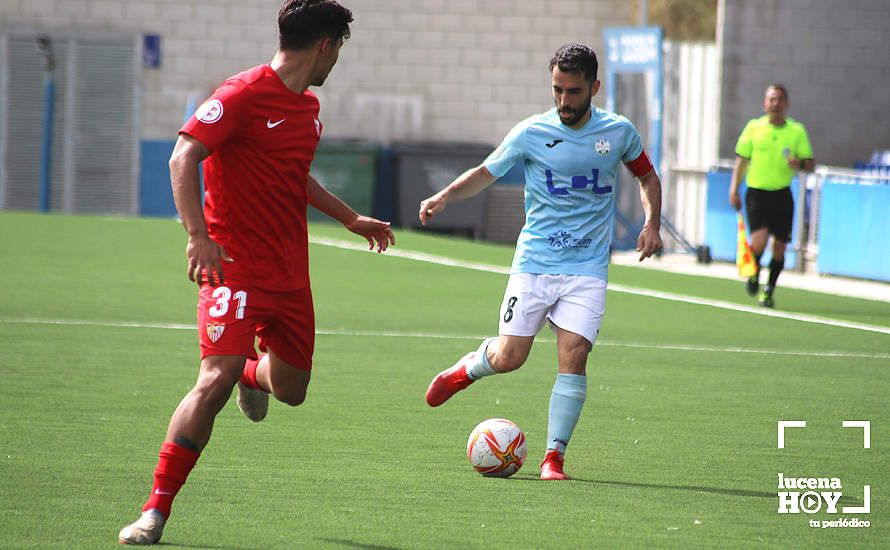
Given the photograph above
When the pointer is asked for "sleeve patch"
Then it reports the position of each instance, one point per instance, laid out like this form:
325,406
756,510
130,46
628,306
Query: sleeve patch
210,111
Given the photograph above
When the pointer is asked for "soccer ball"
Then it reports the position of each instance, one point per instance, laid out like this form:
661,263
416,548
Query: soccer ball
497,448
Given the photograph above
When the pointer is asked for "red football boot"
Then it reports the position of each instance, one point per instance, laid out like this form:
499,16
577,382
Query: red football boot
551,468
449,382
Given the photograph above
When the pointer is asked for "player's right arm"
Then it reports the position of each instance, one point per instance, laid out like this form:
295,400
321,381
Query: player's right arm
474,180
744,147
470,183
205,257
738,173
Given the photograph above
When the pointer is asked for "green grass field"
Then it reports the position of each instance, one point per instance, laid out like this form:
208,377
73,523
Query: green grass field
676,446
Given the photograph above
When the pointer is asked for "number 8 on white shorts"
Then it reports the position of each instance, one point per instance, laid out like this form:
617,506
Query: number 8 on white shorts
572,302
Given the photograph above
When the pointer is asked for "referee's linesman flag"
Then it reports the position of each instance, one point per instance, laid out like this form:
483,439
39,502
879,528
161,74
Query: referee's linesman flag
744,260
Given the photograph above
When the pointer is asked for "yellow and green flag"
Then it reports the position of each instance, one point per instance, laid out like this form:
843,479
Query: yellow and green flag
744,259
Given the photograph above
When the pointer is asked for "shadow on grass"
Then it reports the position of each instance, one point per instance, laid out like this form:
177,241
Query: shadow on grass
843,501
342,542
694,488
205,546
353,544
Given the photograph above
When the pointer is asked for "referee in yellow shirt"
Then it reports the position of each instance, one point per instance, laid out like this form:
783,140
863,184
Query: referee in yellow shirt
771,149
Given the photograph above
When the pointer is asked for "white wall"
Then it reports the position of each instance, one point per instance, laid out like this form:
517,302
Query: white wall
691,124
834,59
461,70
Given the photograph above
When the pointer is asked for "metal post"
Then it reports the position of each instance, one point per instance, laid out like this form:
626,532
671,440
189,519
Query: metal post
812,245
802,233
45,48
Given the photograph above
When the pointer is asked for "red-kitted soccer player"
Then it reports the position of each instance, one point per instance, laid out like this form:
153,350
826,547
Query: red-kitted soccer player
248,248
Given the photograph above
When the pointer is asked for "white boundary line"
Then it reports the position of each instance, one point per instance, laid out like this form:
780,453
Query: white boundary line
441,260
474,337
425,335
89,323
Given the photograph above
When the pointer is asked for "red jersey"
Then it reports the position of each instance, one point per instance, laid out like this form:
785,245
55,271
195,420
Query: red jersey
262,138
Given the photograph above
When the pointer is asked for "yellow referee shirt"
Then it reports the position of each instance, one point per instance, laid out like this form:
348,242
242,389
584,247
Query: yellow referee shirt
768,148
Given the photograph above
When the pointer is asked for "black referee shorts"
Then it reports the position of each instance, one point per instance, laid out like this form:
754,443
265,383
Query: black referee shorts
771,209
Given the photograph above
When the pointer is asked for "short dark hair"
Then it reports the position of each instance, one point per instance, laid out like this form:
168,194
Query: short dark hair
302,22
780,87
576,58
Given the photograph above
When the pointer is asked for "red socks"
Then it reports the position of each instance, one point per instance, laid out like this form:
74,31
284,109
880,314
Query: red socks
248,377
174,464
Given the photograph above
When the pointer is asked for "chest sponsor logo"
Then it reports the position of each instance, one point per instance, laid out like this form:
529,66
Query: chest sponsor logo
210,111
562,240
579,184
215,331
270,124
602,147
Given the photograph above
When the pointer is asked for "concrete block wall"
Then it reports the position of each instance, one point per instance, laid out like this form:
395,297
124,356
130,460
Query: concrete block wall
833,57
461,70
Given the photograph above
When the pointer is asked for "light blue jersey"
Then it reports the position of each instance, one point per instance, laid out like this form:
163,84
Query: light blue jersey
571,179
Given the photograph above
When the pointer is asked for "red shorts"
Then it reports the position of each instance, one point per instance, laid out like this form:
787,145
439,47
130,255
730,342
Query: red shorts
232,316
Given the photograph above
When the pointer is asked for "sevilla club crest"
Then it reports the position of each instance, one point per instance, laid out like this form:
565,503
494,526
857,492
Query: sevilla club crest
215,331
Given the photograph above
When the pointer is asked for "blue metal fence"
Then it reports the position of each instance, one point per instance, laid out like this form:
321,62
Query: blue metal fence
854,222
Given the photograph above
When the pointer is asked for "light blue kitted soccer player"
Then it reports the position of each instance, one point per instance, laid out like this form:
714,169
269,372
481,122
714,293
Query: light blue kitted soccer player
571,156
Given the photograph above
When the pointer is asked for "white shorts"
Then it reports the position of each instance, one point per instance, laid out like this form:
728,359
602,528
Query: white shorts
575,303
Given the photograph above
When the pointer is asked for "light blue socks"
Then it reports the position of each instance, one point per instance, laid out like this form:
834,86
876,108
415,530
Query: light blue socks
479,366
566,401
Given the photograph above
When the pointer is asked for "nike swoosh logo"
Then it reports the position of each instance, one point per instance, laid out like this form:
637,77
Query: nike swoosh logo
160,492
270,124
553,144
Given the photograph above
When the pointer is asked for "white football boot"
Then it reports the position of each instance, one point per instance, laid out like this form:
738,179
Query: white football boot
253,403
144,531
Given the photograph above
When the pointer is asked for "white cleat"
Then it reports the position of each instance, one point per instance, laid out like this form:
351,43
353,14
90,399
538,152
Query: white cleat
253,403
144,531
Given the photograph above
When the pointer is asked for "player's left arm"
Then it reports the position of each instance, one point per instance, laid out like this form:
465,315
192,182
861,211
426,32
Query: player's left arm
649,241
802,165
377,233
803,156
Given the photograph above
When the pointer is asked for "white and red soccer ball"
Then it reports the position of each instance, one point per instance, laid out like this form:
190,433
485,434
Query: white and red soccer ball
497,448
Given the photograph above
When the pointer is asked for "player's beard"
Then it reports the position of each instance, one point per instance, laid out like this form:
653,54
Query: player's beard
573,116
